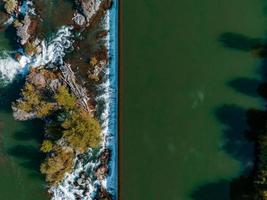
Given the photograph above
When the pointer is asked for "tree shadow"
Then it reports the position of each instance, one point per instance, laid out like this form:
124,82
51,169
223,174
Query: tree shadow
211,191
241,127
238,189
26,140
235,134
9,93
247,86
28,157
239,42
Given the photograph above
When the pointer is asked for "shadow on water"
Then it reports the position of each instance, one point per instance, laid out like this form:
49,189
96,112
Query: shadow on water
247,86
240,126
239,42
235,134
25,148
225,189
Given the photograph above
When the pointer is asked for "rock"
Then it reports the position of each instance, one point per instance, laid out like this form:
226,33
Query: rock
104,156
79,19
80,181
22,30
107,4
22,115
18,56
102,194
55,84
37,79
89,8
101,172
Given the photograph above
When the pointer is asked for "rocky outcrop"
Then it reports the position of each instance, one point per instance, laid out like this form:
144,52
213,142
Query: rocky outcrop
22,30
37,79
22,115
101,172
102,169
102,194
89,8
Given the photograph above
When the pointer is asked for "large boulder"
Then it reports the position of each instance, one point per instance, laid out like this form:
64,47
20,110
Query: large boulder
37,79
22,30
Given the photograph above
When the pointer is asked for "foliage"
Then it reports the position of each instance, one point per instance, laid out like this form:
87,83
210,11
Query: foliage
44,109
47,146
65,99
77,128
30,48
81,131
17,23
10,5
33,102
58,165
93,61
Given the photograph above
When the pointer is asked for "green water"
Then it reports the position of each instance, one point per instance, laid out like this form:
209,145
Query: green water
19,148
188,79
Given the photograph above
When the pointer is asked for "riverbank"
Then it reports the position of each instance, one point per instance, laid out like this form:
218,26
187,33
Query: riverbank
87,178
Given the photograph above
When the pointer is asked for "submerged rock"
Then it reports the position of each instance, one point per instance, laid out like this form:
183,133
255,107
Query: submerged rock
3,19
79,19
22,30
101,172
105,156
102,194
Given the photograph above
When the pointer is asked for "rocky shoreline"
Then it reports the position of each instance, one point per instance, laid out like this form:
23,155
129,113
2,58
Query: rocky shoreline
47,73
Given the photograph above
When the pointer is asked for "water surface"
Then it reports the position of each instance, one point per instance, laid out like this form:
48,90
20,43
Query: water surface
189,79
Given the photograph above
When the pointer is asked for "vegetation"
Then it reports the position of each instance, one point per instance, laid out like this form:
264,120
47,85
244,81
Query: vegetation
93,61
65,99
81,131
30,48
47,146
10,5
76,129
32,101
57,165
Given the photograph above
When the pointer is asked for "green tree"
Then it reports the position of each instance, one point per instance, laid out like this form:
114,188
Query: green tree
58,165
65,99
82,131
47,146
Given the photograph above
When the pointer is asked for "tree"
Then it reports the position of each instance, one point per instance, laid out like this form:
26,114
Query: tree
65,99
32,102
10,5
81,131
58,165
43,109
47,146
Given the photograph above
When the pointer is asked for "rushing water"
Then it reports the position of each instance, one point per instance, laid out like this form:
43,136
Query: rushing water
189,78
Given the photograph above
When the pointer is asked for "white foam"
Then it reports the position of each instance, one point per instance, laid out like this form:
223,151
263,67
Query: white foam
54,50
9,67
66,189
